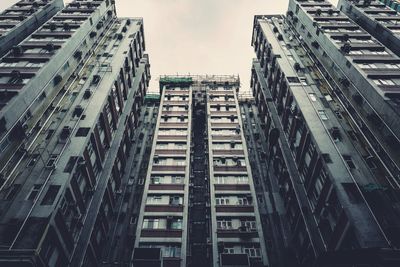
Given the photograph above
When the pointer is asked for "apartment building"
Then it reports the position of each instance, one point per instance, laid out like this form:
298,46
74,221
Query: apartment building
36,71
199,205
394,4
325,125
23,18
80,98
377,18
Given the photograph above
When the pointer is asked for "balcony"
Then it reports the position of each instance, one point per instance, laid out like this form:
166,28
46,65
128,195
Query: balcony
230,169
375,58
170,151
172,137
174,124
33,56
53,33
335,35
225,124
175,113
176,102
161,233
237,233
390,89
168,168
66,16
21,70
167,187
223,113
226,137
228,152
382,72
221,92
8,24
234,208
163,208
221,102
177,92
232,187
11,87
171,262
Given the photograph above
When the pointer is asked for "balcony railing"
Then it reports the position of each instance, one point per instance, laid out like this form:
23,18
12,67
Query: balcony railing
238,233
172,137
167,187
161,233
168,168
228,152
230,169
170,151
234,208
226,137
163,208
232,187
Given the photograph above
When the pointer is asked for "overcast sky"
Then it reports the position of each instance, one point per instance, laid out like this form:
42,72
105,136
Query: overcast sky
197,36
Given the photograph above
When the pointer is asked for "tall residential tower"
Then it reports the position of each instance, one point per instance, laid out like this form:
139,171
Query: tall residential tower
328,87
72,94
199,205
23,18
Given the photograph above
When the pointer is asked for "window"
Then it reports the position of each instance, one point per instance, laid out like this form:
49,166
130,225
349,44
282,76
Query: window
176,200
222,201
313,97
349,161
176,179
70,164
82,132
392,66
153,199
34,192
171,251
224,224
367,66
229,250
293,80
356,52
51,195
249,224
156,180
252,252
244,201
384,82
176,224
303,81
151,223
322,115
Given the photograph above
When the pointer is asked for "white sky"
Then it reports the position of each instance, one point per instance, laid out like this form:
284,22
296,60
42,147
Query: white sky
197,36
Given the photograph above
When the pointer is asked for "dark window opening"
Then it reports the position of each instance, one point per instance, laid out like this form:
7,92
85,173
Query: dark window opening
82,132
71,164
50,195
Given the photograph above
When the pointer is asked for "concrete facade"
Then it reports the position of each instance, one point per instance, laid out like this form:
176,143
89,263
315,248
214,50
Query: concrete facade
61,189
23,18
379,20
331,179
200,173
44,63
